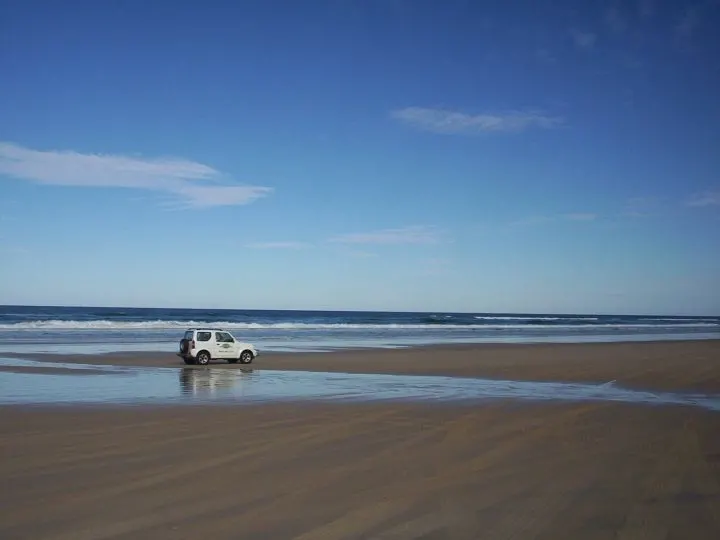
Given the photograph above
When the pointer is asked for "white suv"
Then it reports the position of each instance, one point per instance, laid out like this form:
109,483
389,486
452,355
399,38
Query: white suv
200,345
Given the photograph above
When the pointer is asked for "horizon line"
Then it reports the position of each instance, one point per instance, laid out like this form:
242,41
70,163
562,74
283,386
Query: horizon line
500,313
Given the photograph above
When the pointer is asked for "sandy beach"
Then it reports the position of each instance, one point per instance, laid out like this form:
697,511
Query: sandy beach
500,469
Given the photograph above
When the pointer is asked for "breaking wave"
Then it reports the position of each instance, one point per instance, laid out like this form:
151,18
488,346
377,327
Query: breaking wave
519,322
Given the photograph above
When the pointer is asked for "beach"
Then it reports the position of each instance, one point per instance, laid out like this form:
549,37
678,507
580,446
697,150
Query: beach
399,469
667,365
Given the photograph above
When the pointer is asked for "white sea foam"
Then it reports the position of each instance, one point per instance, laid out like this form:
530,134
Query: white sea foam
57,325
534,318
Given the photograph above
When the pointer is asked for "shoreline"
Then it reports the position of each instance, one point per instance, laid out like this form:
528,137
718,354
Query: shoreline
422,346
687,365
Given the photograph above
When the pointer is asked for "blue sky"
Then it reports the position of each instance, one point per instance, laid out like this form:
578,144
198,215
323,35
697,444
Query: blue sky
348,154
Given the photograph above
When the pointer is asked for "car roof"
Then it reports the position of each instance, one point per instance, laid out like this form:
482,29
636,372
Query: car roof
206,330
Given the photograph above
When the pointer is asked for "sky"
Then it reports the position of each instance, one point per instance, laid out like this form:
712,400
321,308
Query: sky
471,156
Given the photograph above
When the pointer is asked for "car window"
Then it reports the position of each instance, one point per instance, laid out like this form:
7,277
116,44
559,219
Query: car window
188,335
223,337
204,336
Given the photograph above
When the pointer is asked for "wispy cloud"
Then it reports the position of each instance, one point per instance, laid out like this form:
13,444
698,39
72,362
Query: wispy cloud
641,206
580,216
445,121
545,56
278,245
583,40
541,220
531,221
416,234
359,254
208,196
191,183
707,198
435,266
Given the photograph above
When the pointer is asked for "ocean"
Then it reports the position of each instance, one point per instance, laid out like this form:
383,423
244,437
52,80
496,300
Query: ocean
77,330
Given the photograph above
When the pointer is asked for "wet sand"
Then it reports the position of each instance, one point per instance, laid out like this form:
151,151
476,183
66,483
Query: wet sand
676,365
500,469
326,472
48,370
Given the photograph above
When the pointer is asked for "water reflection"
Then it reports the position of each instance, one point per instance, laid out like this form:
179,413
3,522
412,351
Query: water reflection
203,382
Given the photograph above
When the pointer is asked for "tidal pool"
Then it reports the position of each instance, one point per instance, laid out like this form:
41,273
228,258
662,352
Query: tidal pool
97,384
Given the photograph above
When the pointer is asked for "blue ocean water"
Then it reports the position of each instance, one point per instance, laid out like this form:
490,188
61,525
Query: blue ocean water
107,329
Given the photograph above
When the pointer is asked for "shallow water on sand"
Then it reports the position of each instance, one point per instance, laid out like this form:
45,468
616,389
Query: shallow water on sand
24,382
99,343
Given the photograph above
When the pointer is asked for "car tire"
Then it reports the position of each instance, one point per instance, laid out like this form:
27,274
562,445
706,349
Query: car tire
203,358
246,357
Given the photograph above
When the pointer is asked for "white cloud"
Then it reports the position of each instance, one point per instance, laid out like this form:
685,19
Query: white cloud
452,122
418,234
206,196
708,198
583,40
277,245
191,183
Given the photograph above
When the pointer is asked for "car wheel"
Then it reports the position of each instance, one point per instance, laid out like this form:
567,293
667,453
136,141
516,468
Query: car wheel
203,358
246,357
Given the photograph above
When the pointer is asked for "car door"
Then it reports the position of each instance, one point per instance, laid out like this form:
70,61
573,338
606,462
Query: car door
225,345
205,340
